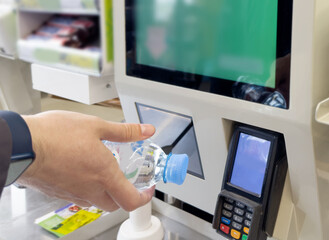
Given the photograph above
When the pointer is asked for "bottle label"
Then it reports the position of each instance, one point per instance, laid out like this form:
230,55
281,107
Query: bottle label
131,175
137,147
116,155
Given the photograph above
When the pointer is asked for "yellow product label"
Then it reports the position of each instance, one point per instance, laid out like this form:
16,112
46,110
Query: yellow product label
40,4
89,4
29,3
79,61
76,221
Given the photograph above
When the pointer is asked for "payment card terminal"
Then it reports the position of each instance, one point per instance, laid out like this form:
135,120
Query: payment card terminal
253,181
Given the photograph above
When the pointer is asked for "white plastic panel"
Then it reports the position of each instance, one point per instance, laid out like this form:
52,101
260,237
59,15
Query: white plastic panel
309,84
73,86
8,35
16,93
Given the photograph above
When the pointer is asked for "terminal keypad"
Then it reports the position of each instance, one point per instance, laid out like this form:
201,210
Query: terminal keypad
235,219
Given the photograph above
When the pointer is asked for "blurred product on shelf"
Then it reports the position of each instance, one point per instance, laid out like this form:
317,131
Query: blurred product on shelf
85,25
93,49
69,31
53,40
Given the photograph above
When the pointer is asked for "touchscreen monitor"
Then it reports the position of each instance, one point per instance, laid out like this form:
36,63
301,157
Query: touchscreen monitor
239,49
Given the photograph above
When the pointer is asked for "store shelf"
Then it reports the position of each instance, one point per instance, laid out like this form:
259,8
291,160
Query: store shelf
86,7
70,47
322,112
34,14
71,59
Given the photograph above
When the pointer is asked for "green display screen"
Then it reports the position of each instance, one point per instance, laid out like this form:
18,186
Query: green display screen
228,39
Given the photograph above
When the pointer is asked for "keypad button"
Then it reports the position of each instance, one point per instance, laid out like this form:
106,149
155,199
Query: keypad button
228,206
237,218
227,213
236,225
246,230
240,205
235,234
224,228
238,211
247,223
226,221
244,237
248,215
250,209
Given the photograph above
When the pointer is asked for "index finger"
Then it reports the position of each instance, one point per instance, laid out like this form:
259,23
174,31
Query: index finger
125,132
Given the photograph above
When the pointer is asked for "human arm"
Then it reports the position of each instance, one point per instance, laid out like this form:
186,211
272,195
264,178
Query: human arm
73,164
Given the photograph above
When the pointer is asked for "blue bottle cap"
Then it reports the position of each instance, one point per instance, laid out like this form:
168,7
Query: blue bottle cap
176,168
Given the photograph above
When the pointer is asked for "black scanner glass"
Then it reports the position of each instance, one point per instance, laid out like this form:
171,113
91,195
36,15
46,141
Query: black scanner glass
175,133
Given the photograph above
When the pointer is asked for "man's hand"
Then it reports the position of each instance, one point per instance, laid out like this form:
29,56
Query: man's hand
72,163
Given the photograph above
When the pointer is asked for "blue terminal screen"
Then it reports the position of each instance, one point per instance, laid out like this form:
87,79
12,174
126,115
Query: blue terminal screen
250,163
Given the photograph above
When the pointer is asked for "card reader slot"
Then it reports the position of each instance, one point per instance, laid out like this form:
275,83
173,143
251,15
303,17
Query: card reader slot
279,177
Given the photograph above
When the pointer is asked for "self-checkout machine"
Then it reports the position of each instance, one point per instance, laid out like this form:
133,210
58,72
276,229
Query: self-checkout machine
196,70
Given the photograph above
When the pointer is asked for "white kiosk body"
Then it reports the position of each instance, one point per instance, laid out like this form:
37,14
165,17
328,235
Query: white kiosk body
304,210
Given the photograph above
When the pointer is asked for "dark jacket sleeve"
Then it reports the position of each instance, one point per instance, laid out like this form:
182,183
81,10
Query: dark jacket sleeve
5,152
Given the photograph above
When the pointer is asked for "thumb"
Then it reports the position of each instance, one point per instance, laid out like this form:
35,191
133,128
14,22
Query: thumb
126,132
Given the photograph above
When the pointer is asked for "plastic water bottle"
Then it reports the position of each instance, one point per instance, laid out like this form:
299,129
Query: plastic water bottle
145,163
